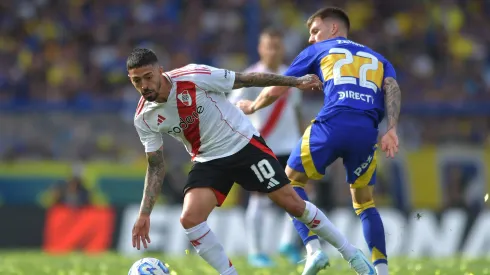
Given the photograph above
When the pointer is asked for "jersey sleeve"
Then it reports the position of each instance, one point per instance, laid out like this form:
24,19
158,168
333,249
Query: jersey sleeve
302,64
215,79
152,141
389,70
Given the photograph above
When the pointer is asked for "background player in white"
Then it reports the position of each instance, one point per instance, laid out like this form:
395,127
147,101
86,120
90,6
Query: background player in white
190,105
280,125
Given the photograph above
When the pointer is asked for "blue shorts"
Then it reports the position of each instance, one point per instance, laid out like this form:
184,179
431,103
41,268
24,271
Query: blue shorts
353,139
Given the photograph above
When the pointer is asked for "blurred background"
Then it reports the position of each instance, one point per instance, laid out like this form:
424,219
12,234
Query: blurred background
67,141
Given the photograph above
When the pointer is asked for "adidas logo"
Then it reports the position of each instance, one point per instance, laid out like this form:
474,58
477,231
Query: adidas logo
272,183
160,119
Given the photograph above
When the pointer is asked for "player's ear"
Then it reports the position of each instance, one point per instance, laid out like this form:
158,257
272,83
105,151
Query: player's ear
160,69
335,28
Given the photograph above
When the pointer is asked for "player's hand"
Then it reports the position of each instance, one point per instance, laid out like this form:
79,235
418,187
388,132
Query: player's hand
141,231
309,82
389,143
245,106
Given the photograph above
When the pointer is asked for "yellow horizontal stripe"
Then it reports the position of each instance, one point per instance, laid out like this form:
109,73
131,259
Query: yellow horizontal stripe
359,208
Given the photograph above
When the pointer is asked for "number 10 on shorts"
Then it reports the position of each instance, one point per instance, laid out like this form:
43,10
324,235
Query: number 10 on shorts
264,171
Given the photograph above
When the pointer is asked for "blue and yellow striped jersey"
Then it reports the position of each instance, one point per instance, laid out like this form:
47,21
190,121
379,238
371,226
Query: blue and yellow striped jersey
352,76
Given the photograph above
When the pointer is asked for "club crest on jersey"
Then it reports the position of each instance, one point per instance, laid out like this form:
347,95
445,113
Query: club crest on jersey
185,98
160,119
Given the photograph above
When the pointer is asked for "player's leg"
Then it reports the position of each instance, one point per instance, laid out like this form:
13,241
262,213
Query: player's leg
319,147
296,174
206,188
254,219
260,171
317,222
361,174
372,226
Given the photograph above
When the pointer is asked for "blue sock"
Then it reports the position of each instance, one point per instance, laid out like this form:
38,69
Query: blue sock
373,230
303,231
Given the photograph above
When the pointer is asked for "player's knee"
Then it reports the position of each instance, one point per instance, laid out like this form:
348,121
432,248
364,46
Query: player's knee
362,195
189,219
296,176
362,199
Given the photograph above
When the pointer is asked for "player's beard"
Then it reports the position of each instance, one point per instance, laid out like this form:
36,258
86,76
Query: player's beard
154,94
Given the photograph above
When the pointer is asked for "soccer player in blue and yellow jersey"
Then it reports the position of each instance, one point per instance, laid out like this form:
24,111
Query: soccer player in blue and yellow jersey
360,88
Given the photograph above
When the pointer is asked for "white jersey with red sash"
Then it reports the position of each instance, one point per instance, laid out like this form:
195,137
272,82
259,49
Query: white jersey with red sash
197,113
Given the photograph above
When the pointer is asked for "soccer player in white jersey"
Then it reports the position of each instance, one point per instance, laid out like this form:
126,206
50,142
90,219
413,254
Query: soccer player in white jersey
190,105
279,125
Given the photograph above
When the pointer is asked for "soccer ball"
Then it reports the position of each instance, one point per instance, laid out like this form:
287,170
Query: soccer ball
148,266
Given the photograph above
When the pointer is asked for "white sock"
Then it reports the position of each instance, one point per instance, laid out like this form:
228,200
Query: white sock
317,222
289,234
381,269
209,248
254,221
313,246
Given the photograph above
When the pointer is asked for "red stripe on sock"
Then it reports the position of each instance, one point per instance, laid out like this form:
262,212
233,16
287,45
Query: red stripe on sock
196,241
314,222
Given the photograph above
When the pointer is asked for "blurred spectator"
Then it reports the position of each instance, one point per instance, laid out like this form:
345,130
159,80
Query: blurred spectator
64,92
71,193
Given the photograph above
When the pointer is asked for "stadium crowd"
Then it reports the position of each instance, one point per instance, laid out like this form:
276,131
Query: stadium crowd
64,92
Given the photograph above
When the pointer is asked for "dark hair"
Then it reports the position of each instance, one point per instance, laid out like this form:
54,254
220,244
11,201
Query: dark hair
272,32
140,57
330,12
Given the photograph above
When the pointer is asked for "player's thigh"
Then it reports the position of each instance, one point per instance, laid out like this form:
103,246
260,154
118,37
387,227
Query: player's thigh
257,168
283,160
260,171
360,161
214,176
314,152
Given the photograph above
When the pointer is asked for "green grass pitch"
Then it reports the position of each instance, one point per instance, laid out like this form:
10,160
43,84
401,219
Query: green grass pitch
29,262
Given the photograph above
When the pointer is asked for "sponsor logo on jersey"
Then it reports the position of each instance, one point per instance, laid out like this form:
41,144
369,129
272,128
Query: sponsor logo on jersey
356,96
185,122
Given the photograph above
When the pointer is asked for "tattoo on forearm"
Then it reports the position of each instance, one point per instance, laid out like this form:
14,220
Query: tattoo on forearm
263,80
154,180
393,99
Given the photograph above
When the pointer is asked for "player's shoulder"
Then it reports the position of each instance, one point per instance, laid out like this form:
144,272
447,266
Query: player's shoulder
189,72
139,117
143,107
140,107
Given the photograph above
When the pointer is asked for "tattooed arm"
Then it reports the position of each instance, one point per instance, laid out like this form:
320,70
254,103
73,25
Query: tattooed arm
268,95
153,181
264,80
392,101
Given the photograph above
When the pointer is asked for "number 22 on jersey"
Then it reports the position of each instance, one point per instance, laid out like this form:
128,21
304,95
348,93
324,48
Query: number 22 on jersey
346,68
